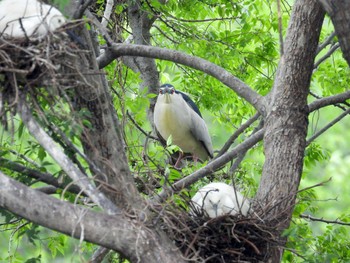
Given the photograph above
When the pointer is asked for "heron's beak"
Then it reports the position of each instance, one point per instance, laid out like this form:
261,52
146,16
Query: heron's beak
215,207
167,98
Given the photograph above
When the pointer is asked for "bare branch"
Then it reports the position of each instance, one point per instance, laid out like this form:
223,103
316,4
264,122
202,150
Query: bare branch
80,9
316,185
339,11
66,164
337,221
43,177
107,13
329,125
242,89
327,55
320,103
280,26
99,26
326,42
235,135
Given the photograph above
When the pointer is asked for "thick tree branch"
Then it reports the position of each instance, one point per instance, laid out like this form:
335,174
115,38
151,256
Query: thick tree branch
135,241
242,89
65,163
339,11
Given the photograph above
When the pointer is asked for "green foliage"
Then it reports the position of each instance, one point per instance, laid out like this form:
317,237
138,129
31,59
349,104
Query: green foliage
242,37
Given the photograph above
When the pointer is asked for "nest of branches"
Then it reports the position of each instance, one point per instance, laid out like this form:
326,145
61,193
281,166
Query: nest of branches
226,238
47,67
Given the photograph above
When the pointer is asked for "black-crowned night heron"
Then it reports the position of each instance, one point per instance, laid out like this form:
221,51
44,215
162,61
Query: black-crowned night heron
176,115
218,199
27,18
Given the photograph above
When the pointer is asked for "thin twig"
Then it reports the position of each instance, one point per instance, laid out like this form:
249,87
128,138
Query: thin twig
43,177
329,125
327,55
315,185
337,221
280,28
235,135
326,42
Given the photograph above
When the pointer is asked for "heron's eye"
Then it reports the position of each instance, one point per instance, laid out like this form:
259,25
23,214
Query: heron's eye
161,91
172,91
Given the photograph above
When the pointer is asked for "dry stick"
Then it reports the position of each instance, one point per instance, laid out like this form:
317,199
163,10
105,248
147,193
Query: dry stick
66,164
316,185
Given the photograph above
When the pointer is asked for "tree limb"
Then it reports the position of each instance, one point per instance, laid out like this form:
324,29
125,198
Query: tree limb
329,125
339,11
337,221
210,167
320,103
235,135
242,89
117,232
66,164
43,177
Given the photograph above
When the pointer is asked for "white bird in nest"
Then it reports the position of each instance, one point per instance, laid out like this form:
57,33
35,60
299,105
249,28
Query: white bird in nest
28,18
217,199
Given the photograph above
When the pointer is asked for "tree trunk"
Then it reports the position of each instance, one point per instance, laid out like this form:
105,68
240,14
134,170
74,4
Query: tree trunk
102,140
286,119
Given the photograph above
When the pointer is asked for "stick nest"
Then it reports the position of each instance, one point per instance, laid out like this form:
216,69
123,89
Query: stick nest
226,238
44,67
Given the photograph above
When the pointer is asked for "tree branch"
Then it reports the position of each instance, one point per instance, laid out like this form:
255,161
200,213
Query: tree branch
329,125
320,103
43,177
337,221
211,167
66,164
242,89
117,232
339,11
235,135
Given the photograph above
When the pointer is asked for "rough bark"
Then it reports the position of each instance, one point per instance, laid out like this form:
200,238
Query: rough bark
141,22
130,237
286,120
102,141
339,11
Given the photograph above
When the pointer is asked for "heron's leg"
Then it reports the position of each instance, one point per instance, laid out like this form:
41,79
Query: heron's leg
178,161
